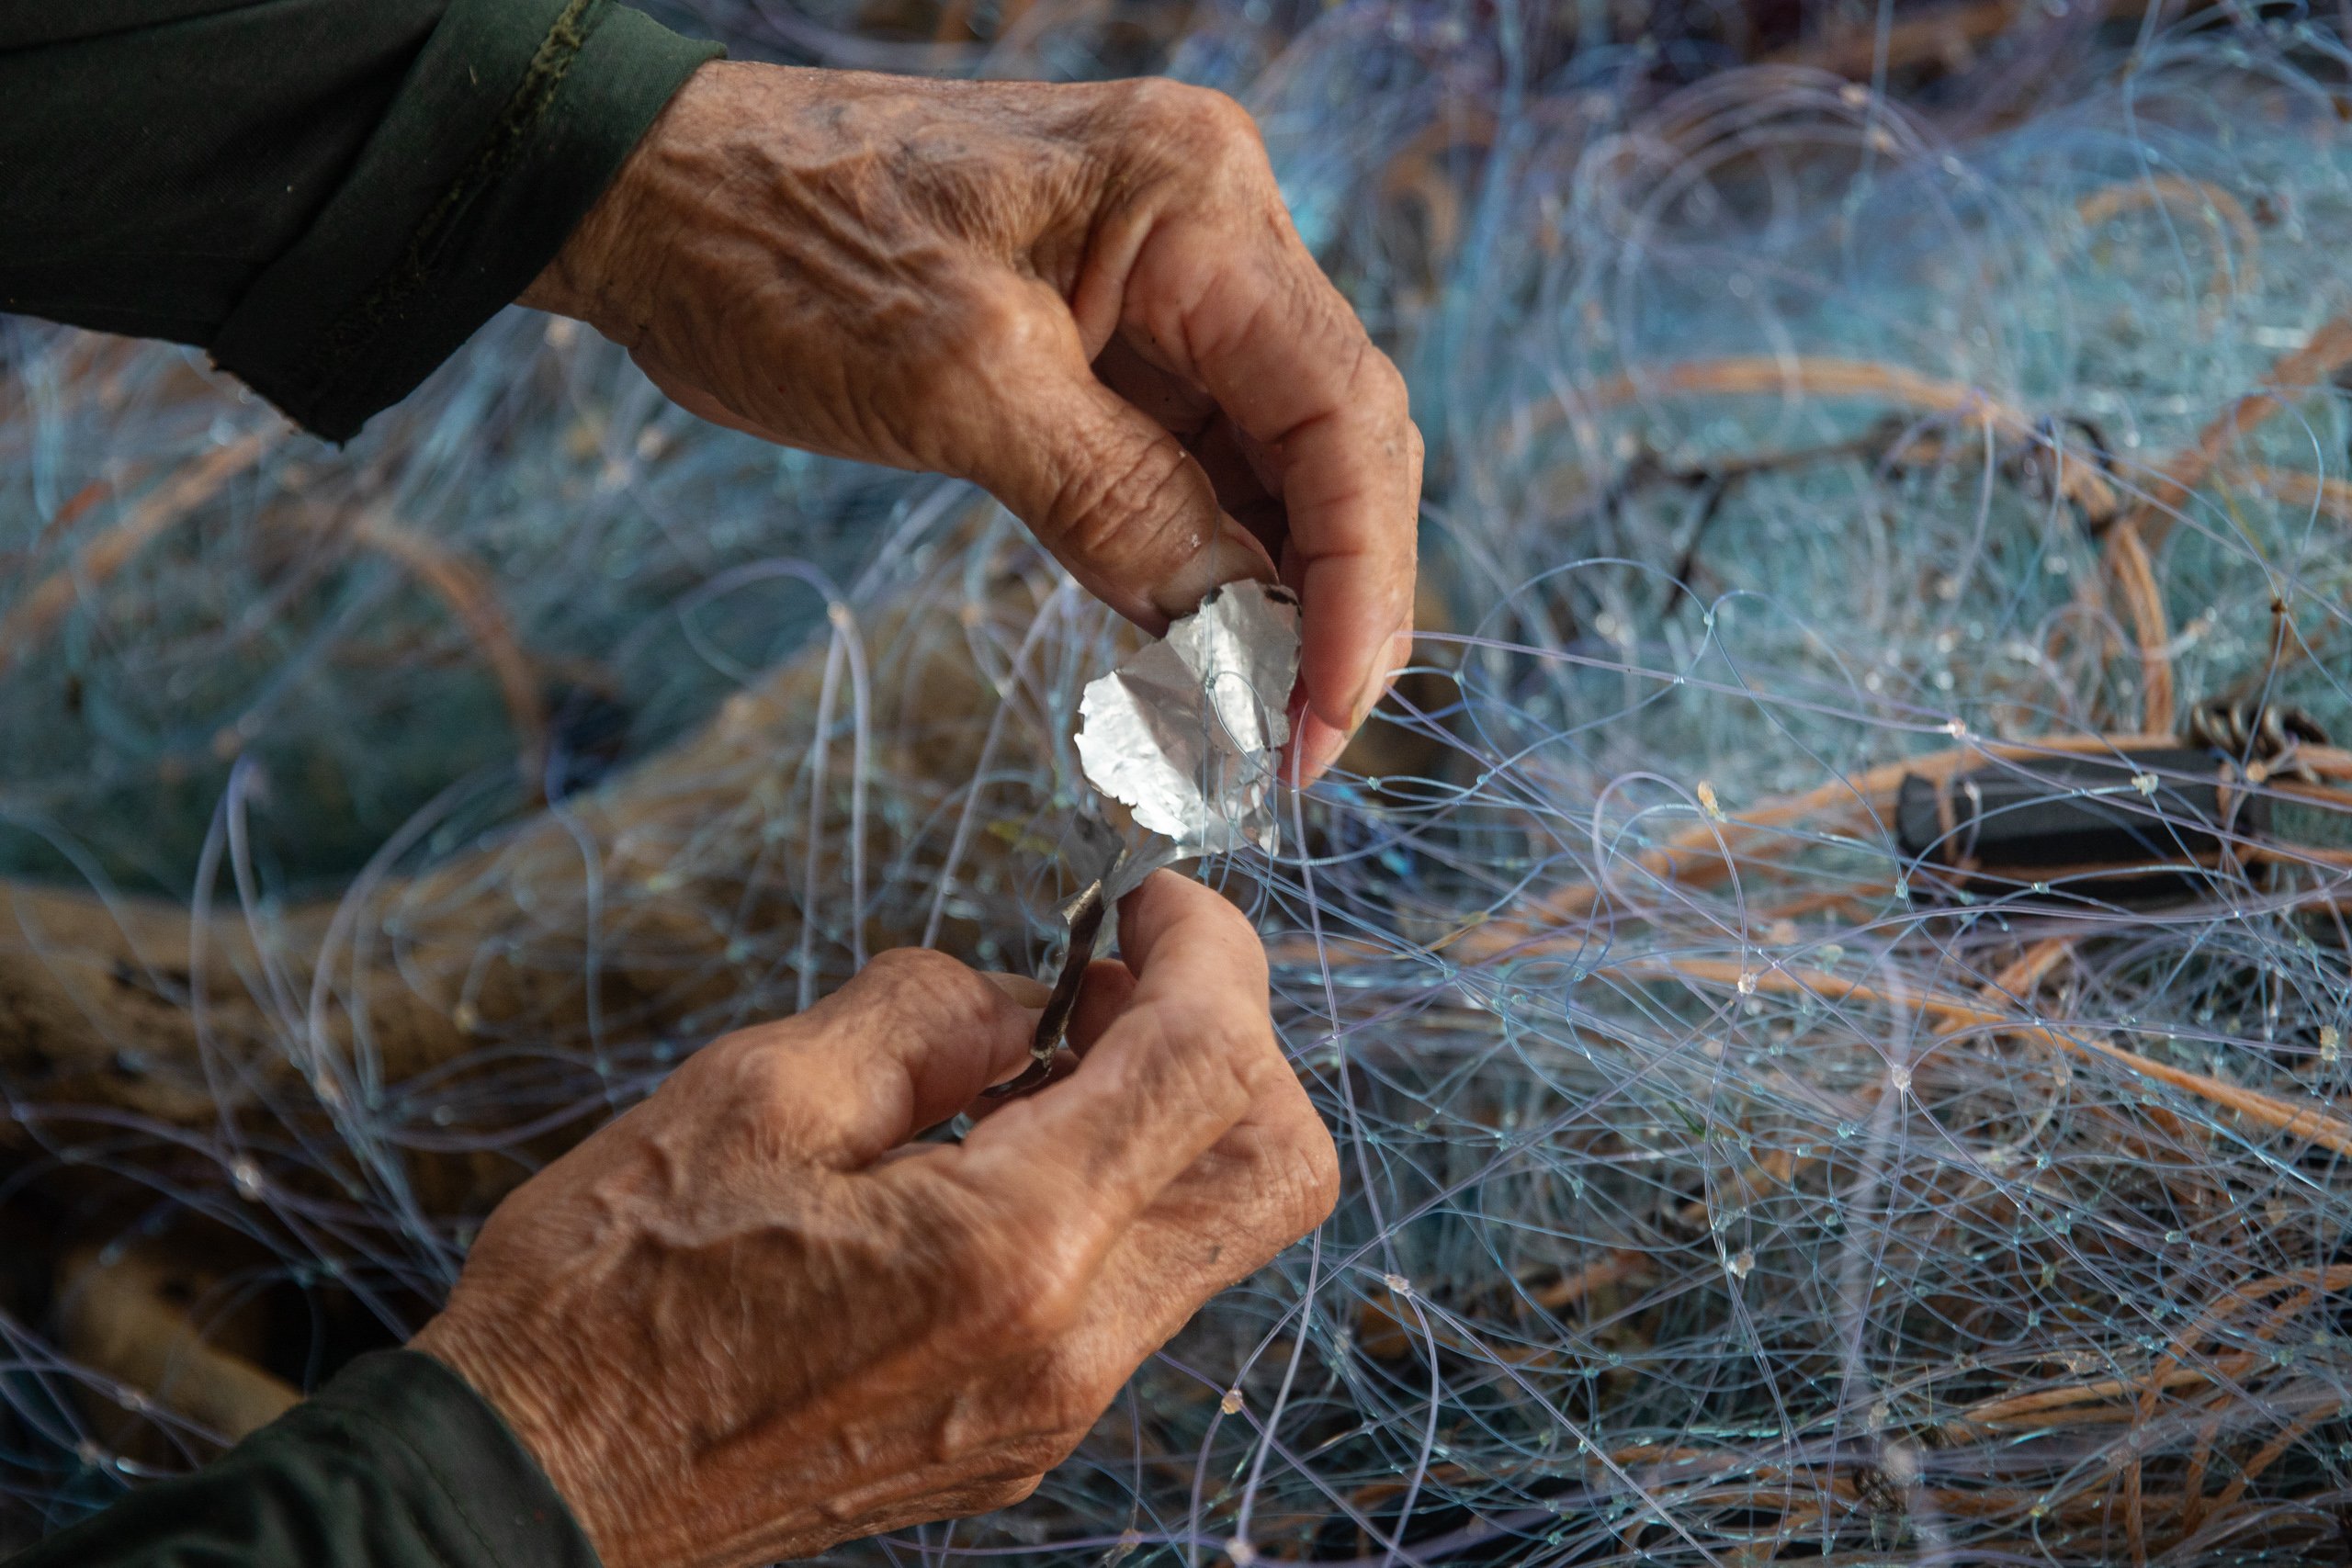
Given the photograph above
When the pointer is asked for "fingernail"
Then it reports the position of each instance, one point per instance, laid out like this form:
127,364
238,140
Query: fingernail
1398,658
1318,745
1234,555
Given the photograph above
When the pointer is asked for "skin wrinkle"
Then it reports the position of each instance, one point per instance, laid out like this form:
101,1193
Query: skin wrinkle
913,242
1087,513
880,285
1123,225
1057,1259
746,1321
635,325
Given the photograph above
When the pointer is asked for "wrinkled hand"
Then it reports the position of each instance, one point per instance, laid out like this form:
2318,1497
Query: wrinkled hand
748,1319
1088,300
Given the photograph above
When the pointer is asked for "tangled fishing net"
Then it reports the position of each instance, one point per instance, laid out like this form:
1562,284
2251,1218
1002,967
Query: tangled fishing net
1829,978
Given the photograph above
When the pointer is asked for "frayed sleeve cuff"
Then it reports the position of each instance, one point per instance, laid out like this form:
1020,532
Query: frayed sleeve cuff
516,115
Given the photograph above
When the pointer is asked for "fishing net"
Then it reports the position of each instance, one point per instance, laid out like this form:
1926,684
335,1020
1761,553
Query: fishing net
1829,977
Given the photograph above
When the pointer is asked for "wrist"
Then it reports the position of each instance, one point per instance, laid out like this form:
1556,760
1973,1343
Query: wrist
551,1442
564,287
587,278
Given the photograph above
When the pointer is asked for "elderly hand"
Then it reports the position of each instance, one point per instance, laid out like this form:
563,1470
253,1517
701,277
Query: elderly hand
748,1319
1088,300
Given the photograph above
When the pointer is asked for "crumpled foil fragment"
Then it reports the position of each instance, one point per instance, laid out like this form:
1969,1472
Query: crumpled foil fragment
1188,731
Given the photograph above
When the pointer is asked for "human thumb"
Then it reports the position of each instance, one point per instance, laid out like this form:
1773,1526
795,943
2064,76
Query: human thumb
1116,497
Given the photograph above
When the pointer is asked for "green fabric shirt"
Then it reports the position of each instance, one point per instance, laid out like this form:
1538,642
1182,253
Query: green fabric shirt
329,195
395,1463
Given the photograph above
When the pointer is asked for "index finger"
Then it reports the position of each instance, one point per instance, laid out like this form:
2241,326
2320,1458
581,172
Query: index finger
1267,336
1190,1057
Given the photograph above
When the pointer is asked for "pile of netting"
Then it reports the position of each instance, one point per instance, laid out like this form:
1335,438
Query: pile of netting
1829,978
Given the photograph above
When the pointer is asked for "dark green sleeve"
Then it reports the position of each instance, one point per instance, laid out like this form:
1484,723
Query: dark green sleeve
329,195
396,1464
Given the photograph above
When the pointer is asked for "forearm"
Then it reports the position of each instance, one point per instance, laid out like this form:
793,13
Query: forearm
329,195
397,1463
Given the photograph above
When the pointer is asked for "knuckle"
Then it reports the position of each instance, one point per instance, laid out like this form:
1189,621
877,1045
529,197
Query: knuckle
746,1067
1299,1168
1199,129
1214,924
1229,128
990,327
1218,1051
730,1052
1319,1191
900,966
1026,1284
1133,512
1045,1303
1243,1030
1381,386
923,986
1219,1066
1207,114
